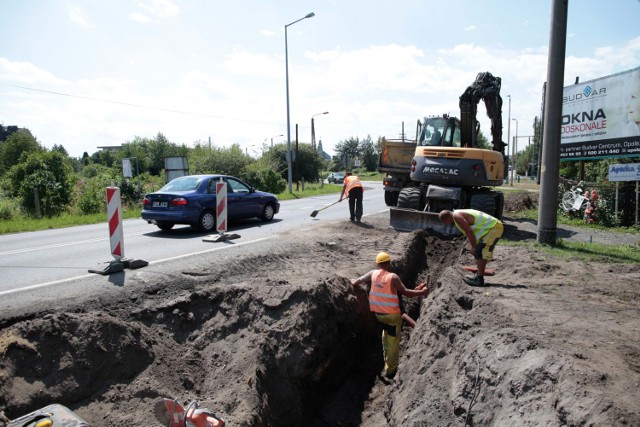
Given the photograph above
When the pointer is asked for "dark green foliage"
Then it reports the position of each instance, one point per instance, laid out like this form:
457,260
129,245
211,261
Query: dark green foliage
48,172
227,161
17,146
348,150
261,176
306,166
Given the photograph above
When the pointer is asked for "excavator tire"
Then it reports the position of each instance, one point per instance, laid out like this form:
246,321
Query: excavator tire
484,202
391,198
499,197
409,198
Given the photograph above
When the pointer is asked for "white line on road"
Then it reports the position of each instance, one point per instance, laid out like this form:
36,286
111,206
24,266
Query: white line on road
84,276
61,245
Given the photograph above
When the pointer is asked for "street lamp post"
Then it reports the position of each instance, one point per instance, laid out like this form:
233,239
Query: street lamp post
509,139
313,130
286,63
515,155
274,136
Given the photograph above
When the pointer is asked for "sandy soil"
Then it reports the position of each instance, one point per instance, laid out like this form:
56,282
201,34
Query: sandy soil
283,339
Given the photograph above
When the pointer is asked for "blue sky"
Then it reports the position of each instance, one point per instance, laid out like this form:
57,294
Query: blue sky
86,74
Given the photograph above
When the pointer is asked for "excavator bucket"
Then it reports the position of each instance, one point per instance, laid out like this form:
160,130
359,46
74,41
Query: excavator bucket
403,219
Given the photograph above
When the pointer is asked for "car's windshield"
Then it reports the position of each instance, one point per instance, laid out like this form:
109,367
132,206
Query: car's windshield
338,175
185,183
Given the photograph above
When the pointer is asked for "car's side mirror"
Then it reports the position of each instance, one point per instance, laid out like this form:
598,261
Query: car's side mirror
252,190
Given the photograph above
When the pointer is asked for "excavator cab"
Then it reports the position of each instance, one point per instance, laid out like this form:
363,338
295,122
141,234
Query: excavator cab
441,131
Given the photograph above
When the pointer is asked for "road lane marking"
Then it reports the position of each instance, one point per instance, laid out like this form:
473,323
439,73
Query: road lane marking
62,245
159,261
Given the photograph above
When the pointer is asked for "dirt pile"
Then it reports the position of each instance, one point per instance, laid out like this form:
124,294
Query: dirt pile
284,339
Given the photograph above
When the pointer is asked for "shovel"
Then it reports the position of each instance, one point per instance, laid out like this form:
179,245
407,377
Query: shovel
315,213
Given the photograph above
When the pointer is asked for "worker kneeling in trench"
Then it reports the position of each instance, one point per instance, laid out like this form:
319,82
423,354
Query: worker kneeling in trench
385,304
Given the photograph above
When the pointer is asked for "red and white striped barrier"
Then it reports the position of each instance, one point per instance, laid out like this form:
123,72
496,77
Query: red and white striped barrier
114,215
221,206
221,216
116,237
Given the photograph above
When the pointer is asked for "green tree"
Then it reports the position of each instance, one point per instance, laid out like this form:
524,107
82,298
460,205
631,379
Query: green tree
261,175
346,152
369,153
17,145
151,152
228,161
48,172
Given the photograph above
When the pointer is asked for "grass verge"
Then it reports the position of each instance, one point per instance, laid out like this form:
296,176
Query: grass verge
19,225
588,252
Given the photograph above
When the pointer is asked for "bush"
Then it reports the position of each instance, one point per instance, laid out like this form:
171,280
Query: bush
264,178
50,173
9,208
91,195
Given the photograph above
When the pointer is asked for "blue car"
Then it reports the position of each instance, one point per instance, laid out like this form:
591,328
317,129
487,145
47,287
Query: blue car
192,200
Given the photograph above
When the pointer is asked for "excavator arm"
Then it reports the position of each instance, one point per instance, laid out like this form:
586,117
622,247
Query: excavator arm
487,88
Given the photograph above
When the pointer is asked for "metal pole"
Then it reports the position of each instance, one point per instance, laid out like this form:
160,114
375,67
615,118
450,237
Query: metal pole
286,64
548,209
509,138
138,173
515,147
636,203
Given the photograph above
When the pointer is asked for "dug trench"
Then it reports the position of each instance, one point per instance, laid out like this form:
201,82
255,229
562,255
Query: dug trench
284,339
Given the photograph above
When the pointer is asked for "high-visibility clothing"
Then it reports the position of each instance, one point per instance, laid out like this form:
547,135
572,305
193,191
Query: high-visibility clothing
350,182
391,334
482,222
383,297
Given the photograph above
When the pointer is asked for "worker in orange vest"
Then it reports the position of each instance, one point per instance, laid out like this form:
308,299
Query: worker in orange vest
385,304
353,190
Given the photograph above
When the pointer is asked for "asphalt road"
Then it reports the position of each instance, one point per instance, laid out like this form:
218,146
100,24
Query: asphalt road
52,264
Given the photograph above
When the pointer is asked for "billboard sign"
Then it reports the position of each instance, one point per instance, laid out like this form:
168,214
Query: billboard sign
601,118
626,172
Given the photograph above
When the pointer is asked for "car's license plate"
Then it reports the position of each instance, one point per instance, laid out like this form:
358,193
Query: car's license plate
160,204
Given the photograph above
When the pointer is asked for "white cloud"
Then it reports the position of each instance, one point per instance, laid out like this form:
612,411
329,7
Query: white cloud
241,97
470,28
78,17
155,9
139,17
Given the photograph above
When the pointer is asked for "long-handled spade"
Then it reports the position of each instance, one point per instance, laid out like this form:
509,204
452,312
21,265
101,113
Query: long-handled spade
315,213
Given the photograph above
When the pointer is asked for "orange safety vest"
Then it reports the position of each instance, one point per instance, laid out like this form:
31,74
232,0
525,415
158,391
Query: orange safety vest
383,297
351,182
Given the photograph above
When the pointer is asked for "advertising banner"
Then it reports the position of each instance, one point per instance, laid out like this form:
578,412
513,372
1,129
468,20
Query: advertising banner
601,118
626,172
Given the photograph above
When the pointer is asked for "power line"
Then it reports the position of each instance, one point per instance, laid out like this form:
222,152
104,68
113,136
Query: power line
128,104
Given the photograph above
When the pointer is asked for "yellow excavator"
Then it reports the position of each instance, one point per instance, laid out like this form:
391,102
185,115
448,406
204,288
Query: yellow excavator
448,169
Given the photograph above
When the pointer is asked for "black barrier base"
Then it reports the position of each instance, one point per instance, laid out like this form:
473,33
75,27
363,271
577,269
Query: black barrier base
222,237
118,266
110,268
134,263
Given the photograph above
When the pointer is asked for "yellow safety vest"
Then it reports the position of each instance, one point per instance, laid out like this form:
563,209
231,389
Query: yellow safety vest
482,222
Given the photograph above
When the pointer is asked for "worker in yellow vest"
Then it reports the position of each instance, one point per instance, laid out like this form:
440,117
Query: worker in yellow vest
483,232
385,304
353,190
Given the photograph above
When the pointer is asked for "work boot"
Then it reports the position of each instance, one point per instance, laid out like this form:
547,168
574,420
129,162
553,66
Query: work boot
390,374
474,281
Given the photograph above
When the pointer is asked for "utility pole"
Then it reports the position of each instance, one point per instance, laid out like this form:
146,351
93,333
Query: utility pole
547,211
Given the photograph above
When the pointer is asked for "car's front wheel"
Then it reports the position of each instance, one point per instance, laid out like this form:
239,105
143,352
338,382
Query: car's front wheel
207,221
165,226
268,212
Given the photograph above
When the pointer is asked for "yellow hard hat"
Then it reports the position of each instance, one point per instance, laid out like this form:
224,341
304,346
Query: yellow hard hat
382,257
